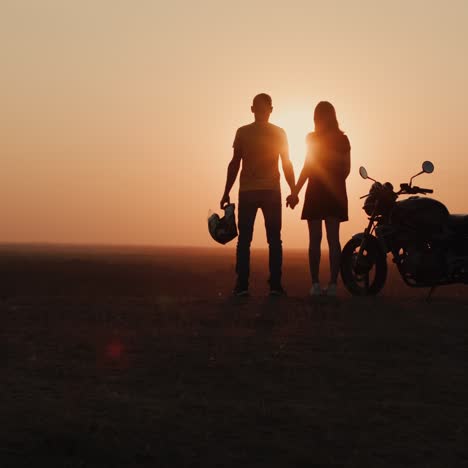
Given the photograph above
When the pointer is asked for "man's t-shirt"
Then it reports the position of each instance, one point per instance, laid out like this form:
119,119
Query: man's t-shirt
260,145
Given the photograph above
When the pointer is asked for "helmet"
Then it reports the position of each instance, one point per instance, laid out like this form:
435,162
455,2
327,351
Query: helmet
223,229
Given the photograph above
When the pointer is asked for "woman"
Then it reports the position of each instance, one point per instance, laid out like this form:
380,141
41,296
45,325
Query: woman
326,167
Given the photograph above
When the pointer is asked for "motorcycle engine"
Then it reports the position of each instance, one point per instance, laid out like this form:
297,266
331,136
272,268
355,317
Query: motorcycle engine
422,263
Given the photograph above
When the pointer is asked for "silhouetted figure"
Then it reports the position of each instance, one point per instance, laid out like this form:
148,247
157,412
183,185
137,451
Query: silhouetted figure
326,167
258,146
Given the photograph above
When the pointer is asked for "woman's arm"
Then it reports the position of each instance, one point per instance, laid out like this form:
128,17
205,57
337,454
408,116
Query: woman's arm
305,173
347,164
293,199
301,181
346,157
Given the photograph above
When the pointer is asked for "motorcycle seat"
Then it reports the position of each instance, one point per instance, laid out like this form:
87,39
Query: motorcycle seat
458,222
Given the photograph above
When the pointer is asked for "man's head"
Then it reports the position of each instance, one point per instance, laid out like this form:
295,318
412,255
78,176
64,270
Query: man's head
262,107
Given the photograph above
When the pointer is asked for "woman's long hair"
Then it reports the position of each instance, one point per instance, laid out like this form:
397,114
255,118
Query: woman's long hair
325,118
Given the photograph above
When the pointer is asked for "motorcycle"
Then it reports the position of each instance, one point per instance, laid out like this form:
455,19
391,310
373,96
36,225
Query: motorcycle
428,244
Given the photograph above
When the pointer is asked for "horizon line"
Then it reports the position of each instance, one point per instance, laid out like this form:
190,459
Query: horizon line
90,245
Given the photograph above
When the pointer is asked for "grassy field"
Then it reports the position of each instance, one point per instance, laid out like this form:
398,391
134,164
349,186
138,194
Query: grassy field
139,357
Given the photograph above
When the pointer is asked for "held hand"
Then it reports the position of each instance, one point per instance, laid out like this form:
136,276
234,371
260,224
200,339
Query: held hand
224,201
292,200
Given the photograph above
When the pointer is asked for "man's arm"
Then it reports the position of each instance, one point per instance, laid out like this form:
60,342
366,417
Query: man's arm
288,170
286,162
233,170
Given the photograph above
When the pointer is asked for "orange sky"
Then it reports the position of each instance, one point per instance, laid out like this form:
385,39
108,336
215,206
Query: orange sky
117,117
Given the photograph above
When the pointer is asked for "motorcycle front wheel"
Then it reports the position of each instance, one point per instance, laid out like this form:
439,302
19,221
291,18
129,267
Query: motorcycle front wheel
363,274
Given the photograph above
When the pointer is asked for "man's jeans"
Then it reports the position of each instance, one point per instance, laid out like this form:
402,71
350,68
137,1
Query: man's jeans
269,201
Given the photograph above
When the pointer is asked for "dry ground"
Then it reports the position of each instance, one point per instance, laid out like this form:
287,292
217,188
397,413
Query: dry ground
138,357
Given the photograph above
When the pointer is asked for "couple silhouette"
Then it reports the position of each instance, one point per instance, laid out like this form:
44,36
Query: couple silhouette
258,147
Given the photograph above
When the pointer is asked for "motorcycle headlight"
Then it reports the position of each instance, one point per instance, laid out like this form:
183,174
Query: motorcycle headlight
369,204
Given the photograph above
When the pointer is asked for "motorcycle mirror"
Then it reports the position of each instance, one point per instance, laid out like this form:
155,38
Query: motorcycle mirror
363,172
428,167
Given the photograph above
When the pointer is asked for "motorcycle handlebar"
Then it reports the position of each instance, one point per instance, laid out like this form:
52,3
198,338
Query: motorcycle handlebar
405,188
421,190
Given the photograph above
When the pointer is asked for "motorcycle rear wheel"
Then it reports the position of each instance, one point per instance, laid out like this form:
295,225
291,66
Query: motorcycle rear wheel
364,275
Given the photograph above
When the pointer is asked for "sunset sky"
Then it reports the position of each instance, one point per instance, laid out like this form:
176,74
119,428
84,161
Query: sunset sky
118,116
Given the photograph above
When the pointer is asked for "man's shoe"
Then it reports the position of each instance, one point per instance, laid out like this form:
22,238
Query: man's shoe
315,290
277,291
240,290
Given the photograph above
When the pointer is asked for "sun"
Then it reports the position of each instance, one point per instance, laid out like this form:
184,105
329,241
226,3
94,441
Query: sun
297,123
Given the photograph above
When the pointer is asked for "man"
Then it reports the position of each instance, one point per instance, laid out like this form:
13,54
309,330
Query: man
259,146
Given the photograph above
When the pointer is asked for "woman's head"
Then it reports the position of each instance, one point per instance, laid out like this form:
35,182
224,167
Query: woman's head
325,118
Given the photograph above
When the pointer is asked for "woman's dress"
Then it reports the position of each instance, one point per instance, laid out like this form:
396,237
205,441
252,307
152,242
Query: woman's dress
328,165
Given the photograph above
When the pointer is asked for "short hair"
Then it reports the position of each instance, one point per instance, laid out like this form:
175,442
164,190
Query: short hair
262,97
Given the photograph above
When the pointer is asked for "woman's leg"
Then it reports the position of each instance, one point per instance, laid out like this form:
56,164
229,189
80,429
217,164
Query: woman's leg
333,236
315,239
